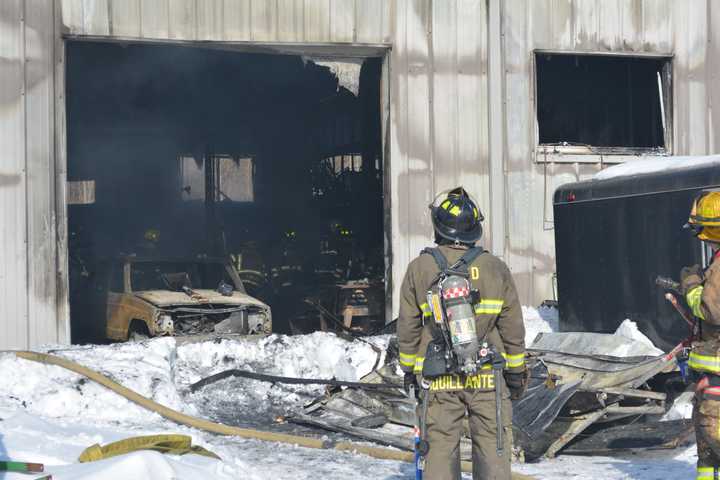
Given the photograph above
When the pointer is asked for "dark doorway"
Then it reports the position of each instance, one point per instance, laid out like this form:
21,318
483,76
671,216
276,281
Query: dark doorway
265,160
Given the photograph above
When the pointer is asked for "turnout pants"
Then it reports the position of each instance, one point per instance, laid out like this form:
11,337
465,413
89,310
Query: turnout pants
706,417
446,411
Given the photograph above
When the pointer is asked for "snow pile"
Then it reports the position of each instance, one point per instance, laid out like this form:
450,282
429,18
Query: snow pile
643,346
655,165
50,415
250,402
51,391
540,320
681,408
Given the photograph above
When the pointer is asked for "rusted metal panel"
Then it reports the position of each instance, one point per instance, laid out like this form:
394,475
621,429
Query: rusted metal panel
13,193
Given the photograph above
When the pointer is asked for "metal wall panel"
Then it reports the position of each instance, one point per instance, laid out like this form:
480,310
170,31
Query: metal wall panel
13,193
39,148
438,132
623,26
339,21
399,156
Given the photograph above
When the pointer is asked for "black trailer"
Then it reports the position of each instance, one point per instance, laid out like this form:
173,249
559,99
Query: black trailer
616,233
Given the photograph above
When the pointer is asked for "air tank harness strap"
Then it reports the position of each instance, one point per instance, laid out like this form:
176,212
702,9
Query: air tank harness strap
708,387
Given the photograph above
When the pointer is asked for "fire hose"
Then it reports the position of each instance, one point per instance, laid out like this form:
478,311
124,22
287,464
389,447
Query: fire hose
219,428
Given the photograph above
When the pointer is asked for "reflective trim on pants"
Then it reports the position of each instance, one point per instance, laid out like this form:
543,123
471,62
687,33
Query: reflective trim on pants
707,473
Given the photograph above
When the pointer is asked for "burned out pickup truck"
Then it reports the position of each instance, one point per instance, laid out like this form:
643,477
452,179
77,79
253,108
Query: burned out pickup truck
185,296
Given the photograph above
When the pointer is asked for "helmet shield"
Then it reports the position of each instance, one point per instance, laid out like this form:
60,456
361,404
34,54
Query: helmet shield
456,217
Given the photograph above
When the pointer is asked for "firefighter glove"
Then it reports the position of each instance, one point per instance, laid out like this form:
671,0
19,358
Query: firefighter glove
410,380
517,383
690,277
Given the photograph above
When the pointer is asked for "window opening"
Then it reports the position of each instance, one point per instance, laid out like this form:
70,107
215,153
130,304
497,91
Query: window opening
603,103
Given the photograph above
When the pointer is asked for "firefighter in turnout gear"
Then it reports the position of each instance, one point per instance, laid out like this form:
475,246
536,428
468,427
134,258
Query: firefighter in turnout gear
702,293
467,381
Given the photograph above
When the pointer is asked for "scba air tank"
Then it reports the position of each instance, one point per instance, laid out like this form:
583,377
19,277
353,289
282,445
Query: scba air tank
461,322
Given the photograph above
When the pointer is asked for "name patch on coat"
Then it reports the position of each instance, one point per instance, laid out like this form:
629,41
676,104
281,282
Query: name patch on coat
480,381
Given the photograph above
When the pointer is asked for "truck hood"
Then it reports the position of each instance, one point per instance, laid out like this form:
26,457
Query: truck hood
166,298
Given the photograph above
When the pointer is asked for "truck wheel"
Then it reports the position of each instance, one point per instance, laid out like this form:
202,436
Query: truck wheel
138,331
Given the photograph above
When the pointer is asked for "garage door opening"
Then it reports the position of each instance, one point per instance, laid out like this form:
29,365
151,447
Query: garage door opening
205,183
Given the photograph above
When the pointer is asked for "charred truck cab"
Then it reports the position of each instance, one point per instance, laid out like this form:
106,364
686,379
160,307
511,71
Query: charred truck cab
180,296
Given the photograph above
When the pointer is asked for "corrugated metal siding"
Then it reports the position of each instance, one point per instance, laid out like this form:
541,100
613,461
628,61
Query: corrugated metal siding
439,103
439,110
27,195
644,26
13,206
310,21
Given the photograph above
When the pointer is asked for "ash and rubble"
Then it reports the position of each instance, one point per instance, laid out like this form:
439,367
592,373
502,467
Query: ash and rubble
72,413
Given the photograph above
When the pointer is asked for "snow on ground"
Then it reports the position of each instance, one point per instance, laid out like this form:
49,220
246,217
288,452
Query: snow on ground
539,320
656,164
50,415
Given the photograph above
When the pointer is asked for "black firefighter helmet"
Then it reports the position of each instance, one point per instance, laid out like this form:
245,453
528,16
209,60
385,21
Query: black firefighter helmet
455,216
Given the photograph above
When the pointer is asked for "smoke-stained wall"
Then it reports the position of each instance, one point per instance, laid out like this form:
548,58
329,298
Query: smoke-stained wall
439,131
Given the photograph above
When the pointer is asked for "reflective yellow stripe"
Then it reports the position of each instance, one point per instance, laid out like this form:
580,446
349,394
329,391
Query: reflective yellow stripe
407,360
514,361
705,473
419,361
704,363
426,310
490,306
454,211
479,381
694,300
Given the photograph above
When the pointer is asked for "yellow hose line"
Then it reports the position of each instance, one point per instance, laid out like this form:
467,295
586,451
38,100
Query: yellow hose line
208,426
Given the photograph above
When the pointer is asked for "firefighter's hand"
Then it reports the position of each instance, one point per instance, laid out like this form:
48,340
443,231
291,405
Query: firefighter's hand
690,277
410,380
517,383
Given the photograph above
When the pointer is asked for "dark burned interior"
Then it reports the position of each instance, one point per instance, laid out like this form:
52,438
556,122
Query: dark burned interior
264,160
603,101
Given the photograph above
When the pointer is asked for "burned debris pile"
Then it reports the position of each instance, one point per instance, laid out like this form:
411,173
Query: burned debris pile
578,401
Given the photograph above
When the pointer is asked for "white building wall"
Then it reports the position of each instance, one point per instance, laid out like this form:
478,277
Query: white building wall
438,132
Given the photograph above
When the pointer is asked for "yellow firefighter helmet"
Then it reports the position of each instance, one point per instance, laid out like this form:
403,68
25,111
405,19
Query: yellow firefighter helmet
704,218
